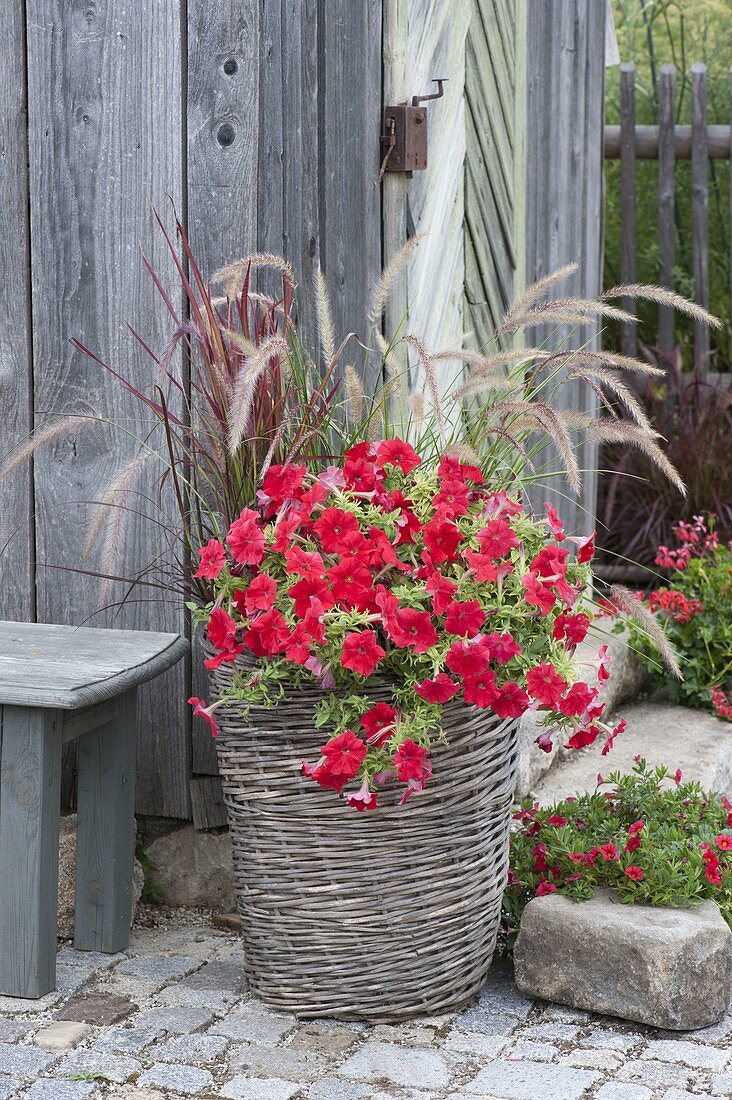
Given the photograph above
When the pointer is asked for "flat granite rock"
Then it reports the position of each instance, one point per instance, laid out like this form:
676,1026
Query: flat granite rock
669,968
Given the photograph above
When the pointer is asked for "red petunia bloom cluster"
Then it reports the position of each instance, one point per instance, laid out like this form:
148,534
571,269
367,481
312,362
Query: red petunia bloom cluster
425,578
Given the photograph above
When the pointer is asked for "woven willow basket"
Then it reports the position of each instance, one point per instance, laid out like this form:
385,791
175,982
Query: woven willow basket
377,915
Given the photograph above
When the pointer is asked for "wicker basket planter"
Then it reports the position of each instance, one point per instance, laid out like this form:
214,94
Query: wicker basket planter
365,916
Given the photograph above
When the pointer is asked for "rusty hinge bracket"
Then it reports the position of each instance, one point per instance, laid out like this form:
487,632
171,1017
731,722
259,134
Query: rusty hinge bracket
404,137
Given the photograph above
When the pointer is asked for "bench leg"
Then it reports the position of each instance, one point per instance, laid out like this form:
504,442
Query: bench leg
106,832
30,796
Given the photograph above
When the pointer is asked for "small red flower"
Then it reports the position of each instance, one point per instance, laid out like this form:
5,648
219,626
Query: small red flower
268,634
512,701
556,820
555,523
441,539
634,842
583,737
609,853
497,538
361,652
304,563
485,568
409,761
544,742
332,525
283,483
260,595
465,659
378,722
636,827
396,452
546,685
323,776
306,589
464,618
344,754
441,589
571,628
351,581
545,887
480,690
577,700
221,629
437,690
453,499
723,842
363,799
537,594
410,629
212,560
200,710
634,873
501,647
245,539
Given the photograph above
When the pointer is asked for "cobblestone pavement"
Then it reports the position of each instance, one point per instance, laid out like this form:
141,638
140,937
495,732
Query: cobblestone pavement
169,1019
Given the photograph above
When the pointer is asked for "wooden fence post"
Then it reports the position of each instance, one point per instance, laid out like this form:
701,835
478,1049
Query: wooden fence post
666,198
700,206
628,216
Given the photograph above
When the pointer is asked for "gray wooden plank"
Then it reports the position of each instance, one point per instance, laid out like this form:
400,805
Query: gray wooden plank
105,844
30,778
648,138
105,142
395,185
700,207
349,158
628,228
666,198
207,802
565,89
222,171
57,666
16,537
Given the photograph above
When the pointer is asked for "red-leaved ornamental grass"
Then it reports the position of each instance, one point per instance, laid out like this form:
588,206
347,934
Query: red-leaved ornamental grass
419,575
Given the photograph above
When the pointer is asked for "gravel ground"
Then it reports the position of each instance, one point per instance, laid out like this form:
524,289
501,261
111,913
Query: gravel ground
170,1019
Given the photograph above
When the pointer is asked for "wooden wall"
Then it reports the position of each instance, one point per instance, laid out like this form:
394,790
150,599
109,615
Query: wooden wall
259,121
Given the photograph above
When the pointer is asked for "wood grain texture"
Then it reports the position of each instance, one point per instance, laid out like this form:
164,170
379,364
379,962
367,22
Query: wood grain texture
207,802
16,535
564,162
435,197
395,14
648,139
57,666
222,167
105,837
105,131
30,783
666,197
700,207
492,140
628,227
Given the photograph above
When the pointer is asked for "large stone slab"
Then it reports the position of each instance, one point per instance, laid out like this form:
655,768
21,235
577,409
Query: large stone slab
696,742
670,968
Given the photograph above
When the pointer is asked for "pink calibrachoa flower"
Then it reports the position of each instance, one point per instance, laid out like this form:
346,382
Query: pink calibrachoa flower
634,873
723,842
212,560
609,853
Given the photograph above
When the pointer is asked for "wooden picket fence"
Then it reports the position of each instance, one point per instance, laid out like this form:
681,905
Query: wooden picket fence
667,143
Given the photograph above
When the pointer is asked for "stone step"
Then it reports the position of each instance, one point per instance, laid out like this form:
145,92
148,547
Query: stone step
679,737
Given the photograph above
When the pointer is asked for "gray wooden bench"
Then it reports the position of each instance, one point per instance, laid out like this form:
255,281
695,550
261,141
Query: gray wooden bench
58,684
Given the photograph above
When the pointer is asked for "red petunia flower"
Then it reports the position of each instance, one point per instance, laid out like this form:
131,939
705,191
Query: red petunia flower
609,853
453,499
323,776
268,634
556,820
485,568
465,659
555,523
212,560
363,799
246,539
577,700
308,588
351,581
304,563
620,728
441,539
451,469
409,761
200,710
546,685
537,594
544,742
260,595
480,691
344,754
545,887
410,629
634,842
361,652
221,629
464,618
583,737
603,665
442,590
283,532
497,538
438,690
395,452
571,628
634,873
501,647
512,701
332,525
585,548
282,483
379,722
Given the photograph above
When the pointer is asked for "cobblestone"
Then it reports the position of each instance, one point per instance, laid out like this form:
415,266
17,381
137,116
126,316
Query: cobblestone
188,1080
173,1020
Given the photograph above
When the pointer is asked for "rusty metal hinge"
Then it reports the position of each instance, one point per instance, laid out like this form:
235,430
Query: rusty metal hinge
404,137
